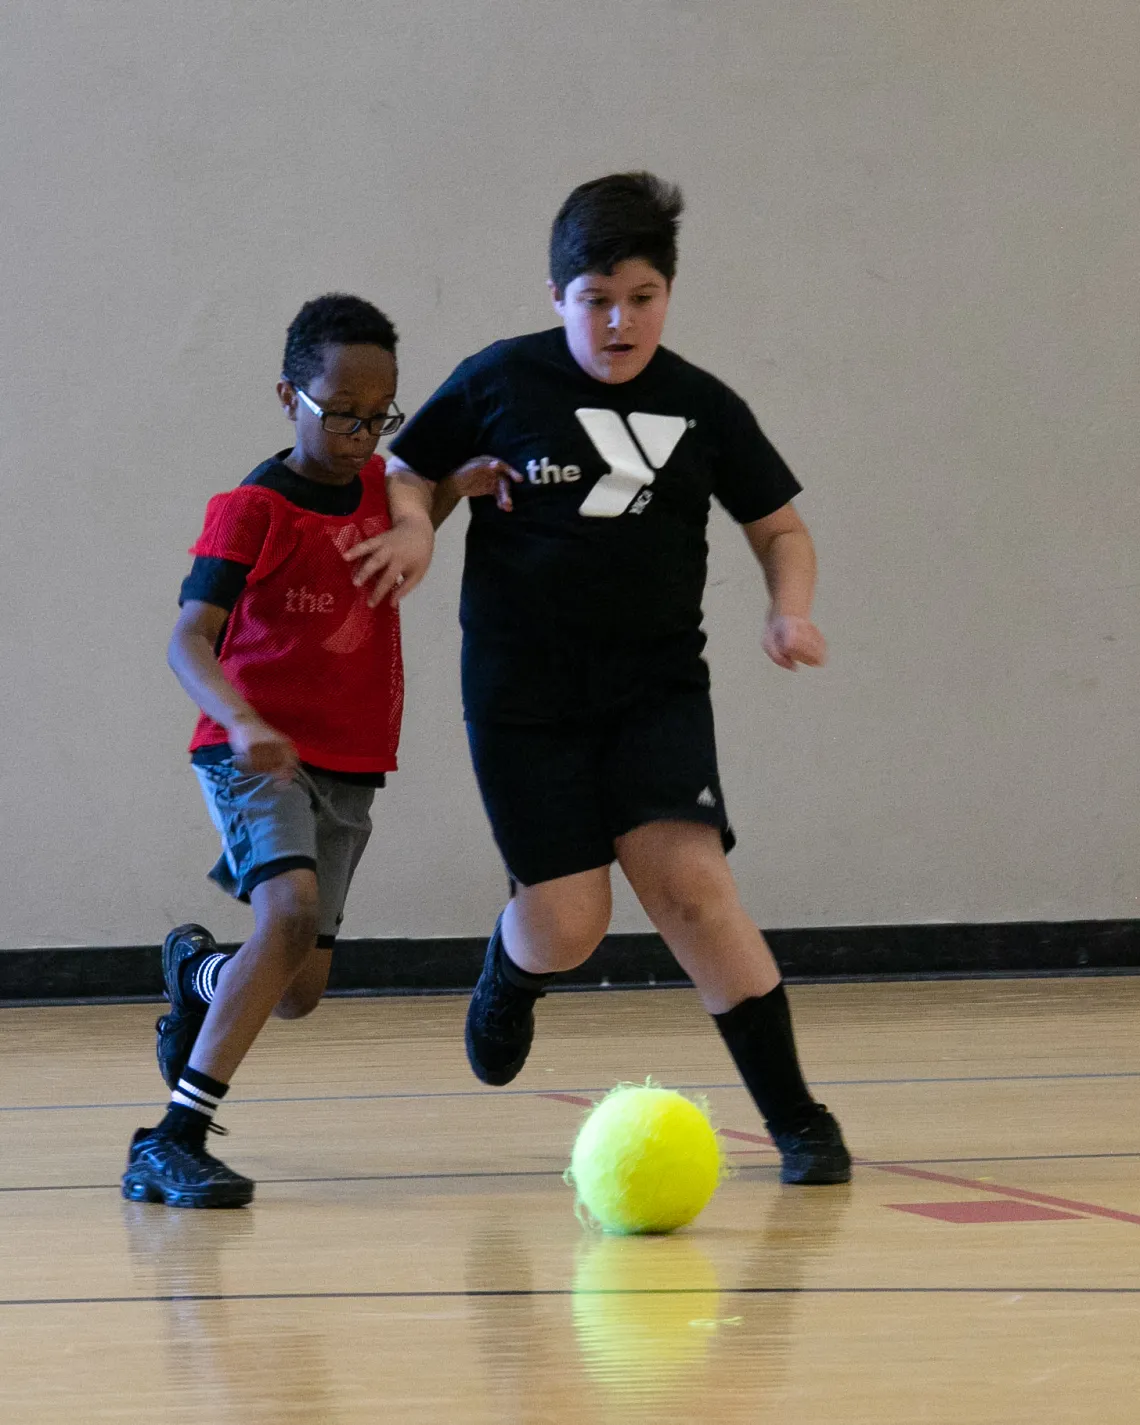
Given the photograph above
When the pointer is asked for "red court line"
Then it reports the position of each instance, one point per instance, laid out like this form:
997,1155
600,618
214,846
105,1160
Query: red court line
746,1137
1090,1209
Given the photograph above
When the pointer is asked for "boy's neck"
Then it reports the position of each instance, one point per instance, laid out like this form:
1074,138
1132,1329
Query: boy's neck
308,469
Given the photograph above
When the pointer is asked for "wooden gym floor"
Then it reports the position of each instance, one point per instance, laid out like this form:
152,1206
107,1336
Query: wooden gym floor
412,1254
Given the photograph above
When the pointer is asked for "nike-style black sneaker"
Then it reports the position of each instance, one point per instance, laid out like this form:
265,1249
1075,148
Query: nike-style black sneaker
178,1030
161,1169
815,1153
500,1019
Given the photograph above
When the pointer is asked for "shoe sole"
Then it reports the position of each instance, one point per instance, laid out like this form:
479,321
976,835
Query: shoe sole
818,1177
171,1065
182,1011
139,1188
171,963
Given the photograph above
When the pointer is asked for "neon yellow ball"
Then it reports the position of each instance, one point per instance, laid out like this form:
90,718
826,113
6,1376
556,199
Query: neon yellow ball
645,1160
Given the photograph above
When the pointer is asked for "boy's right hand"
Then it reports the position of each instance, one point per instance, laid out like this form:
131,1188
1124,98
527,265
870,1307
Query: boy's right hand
257,747
485,475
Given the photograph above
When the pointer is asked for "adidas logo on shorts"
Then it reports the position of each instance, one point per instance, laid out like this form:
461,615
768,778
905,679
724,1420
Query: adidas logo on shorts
706,798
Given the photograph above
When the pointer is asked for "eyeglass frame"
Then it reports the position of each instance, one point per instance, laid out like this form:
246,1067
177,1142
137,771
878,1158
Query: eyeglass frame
389,423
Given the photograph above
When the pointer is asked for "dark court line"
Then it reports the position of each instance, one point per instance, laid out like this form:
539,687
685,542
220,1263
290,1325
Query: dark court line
340,1178
527,1293
538,1093
483,1173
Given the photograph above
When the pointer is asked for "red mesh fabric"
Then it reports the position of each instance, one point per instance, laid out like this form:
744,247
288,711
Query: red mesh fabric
301,643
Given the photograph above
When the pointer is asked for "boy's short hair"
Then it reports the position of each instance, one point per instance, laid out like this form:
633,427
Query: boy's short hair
336,319
612,219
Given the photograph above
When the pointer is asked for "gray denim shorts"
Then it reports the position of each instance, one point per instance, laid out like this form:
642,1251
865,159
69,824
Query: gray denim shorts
269,827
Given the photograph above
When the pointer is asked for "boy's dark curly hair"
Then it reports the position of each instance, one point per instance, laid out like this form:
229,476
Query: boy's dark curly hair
335,319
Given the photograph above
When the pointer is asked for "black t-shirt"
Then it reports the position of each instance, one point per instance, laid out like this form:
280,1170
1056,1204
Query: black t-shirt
589,593
221,581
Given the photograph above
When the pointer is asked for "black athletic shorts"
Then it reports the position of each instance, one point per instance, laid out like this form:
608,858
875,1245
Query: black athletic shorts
559,794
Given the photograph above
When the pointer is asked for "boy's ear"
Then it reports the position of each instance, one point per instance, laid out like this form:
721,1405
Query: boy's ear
555,294
288,398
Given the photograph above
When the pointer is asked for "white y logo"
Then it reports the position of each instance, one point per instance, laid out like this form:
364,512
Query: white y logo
629,471
360,622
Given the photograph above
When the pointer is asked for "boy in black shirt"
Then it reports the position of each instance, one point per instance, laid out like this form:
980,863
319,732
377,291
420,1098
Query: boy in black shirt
584,688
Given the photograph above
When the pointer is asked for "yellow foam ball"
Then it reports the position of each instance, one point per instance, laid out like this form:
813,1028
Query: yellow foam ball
646,1160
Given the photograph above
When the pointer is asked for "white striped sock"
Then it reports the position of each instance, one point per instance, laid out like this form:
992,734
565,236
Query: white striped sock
206,977
190,1096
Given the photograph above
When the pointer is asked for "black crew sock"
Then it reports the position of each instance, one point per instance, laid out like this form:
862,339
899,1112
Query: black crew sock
759,1036
192,1107
198,974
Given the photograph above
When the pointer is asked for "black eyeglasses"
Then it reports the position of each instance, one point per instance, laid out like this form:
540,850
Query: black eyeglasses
345,423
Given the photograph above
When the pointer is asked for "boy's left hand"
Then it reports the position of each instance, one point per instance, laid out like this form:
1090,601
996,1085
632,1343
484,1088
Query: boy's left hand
398,559
790,640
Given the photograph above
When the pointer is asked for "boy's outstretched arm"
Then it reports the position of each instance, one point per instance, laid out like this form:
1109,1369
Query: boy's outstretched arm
783,546
394,559
485,475
398,559
256,746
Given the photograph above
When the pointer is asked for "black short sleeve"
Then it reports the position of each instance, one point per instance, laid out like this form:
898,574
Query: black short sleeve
214,581
445,432
751,479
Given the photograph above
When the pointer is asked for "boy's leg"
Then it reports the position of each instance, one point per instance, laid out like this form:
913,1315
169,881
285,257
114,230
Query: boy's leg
267,828
169,1163
307,987
541,790
255,979
544,929
679,872
270,845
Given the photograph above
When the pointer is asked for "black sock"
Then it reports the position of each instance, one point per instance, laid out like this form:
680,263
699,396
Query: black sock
759,1036
192,1107
198,974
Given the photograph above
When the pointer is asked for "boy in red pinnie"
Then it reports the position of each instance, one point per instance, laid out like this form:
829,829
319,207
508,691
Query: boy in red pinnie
299,679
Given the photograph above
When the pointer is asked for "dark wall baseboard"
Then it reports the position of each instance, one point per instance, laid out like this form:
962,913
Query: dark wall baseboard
382,967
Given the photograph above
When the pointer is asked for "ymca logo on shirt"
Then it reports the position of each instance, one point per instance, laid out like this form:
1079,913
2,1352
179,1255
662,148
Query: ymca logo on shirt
360,621
634,452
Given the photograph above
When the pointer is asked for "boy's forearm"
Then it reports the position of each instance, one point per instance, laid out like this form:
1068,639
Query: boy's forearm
444,500
410,497
193,663
788,561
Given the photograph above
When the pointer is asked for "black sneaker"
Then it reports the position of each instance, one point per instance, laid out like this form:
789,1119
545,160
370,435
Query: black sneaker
160,1169
815,1153
500,1020
178,1030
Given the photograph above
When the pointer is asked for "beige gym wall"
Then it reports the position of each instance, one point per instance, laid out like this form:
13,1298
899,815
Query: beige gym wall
911,244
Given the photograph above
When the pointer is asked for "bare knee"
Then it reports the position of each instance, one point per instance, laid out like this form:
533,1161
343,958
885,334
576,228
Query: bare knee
558,928
297,1004
289,907
689,893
